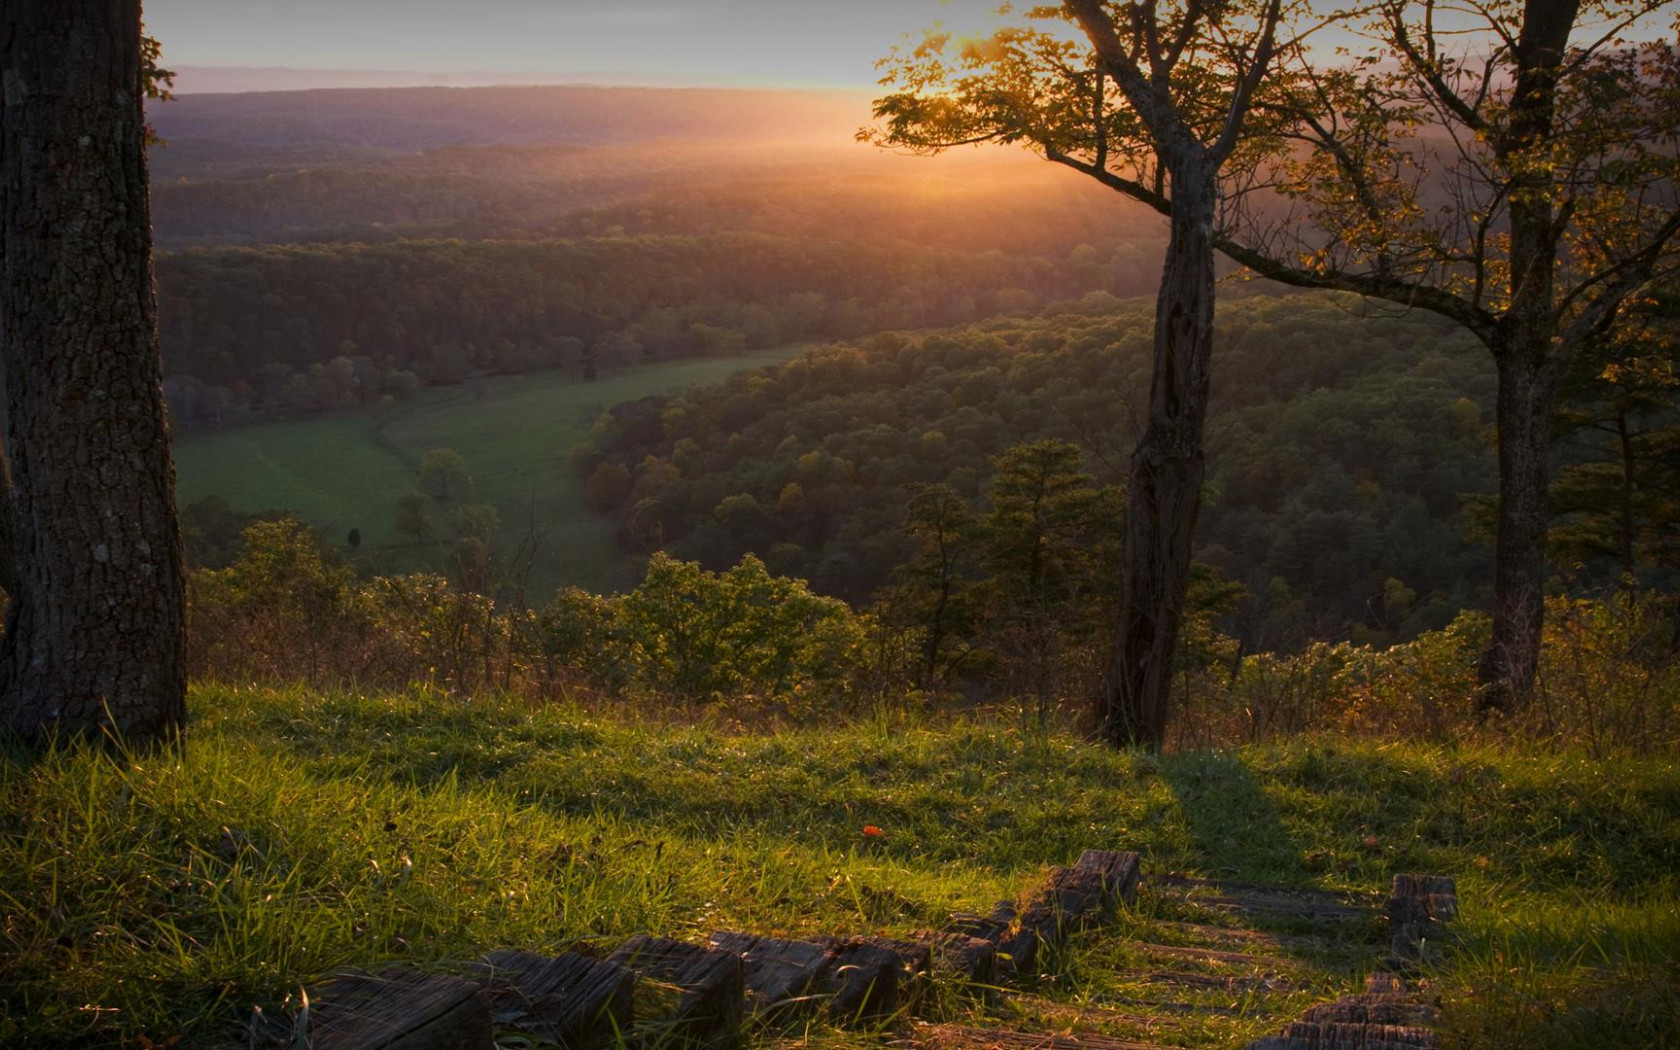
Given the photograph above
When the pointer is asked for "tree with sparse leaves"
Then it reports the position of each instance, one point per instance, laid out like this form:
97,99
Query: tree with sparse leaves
1158,97
1513,171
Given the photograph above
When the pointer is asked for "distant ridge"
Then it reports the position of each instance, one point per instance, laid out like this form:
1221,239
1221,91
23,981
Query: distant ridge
222,80
404,119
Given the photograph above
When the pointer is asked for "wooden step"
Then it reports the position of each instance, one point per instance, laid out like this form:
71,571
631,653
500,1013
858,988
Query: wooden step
776,974
970,959
1218,982
396,1009
1210,955
963,1037
568,999
862,980
1240,935
1304,1036
1071,898
709,996
1385,1017
993,927
1419,909
1349,897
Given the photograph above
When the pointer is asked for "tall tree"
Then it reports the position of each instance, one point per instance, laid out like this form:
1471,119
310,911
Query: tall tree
90,550
1512,169
1511,166
1187,74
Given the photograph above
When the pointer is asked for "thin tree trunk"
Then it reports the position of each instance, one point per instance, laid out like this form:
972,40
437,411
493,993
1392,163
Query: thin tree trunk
1524,411
94,633
1626,531
1165,484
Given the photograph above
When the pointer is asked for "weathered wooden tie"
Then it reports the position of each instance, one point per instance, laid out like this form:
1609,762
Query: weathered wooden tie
861,984
397,1009
777,974
1385,1017
1213,955
1247,898
567,999
962,1037
967,958
1070,899
1419,906
994,927
708,993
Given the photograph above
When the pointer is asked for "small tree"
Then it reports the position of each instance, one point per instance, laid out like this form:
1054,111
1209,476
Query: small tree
444,472
1043,549
936,590
412,517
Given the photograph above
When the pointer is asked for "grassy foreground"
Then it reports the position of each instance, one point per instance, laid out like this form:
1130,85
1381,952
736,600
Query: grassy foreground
344,470
154,897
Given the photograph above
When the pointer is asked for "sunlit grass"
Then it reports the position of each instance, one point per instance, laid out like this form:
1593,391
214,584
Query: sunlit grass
298,834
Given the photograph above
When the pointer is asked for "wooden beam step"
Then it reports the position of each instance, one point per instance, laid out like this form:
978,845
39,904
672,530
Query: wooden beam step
1419,909
1276,905
707,994
971,959
993,927
963,1037
396,1009
1228,886
1239,935
1071,898
1219,982
568,999
1386,1017
1301,1036
777,974
862,980
1209,955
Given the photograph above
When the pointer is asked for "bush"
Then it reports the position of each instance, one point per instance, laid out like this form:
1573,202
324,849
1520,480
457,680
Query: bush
285,611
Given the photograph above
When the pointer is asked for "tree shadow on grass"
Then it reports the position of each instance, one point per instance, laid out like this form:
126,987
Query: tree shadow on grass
1234,831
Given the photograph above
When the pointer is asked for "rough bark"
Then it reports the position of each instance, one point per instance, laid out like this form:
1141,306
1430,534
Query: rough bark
1523,413
1163,497
1526,359
94,632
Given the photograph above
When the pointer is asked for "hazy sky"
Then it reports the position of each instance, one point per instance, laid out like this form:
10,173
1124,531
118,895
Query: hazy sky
793,43
829,43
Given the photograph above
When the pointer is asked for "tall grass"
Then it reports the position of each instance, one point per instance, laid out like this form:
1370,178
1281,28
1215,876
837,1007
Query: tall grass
163,895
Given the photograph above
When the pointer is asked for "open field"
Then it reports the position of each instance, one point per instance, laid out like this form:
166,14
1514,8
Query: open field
162,896
347,469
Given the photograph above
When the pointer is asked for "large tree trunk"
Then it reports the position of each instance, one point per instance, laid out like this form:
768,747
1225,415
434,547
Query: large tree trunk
94,632
1165,484
1527,361
1524,414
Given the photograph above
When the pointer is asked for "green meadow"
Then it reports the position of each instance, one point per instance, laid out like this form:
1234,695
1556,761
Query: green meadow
346,470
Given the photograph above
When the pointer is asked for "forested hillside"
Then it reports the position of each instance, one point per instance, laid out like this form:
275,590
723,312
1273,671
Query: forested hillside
317,327
378,238
1343,449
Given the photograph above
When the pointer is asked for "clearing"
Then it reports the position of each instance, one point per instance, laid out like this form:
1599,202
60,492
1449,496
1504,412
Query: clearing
345,470
303,833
